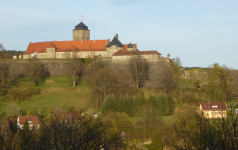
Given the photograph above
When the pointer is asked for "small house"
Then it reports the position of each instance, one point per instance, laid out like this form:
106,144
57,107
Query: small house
33,122
213,109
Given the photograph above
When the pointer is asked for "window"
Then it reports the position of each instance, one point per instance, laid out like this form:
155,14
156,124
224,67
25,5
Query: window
147,56
114,57
69,116
29,121
153,56
214,106
119,57
124,57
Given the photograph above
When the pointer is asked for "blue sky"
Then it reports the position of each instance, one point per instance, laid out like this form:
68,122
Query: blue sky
199,32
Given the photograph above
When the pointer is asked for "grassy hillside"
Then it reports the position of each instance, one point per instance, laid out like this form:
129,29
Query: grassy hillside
56,92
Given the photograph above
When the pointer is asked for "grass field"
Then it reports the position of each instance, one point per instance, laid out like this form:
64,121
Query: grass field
57,92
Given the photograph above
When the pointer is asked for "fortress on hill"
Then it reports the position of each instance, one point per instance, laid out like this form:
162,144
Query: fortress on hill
83,47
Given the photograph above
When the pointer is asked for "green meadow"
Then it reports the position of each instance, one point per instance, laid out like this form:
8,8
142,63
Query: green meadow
56,92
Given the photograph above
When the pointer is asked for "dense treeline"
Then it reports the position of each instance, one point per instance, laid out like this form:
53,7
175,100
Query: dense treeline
130,105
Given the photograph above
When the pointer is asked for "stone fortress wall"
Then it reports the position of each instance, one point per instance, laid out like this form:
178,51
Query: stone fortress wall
61,68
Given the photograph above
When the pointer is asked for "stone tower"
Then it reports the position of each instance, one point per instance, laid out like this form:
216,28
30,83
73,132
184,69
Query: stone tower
81,32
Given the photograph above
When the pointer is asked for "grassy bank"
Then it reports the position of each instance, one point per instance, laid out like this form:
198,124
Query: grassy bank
56,92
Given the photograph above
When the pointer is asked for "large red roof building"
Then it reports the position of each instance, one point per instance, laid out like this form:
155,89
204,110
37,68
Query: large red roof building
82,47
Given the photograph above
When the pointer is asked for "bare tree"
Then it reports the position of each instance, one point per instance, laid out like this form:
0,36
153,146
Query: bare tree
104,82
178,62
75,65
37,71
166,77
139,68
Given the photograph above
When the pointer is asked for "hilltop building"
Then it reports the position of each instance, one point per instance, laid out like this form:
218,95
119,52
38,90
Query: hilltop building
83,47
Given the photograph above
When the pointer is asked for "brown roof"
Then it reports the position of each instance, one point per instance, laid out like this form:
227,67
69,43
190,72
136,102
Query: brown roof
210,105
62,46
34,119
126,52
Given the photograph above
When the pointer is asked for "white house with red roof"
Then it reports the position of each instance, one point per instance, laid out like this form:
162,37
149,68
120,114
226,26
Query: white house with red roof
82,47
33,122
213,109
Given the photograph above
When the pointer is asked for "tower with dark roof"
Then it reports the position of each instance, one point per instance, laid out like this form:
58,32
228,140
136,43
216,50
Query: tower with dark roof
114,46
81,32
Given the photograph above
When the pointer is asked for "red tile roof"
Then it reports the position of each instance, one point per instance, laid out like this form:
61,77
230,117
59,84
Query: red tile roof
126,52
51,45
34,119
126,45
62,46
210,106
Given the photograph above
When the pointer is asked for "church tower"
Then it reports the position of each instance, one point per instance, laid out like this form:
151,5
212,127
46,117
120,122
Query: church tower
81,32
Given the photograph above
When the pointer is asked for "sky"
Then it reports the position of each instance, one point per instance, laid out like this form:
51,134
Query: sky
199,32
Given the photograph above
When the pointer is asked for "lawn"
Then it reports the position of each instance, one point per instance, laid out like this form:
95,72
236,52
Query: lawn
57,92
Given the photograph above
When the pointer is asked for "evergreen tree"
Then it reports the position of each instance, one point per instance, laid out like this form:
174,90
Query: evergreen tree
141,98
135,105
130,105
123,104
109,104
160,104
157,143
105,106
166,105
151,99
171,104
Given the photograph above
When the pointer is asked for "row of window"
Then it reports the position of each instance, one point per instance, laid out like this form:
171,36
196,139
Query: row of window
124,57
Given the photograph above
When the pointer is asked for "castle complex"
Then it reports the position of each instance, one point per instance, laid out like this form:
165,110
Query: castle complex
83,47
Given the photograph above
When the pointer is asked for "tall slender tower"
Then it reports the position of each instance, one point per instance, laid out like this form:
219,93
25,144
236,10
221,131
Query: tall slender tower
81,32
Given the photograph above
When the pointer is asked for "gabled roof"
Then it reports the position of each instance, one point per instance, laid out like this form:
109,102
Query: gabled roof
33,119
212,105
81,26
126,46
126,52
116,42
130,45
63,46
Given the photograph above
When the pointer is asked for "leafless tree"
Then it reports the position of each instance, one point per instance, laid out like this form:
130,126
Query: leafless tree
75,65
37,71
166,77
178,62
139,68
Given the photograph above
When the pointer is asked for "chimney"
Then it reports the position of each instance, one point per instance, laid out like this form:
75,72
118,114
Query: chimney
67,41
94,40
117,36
168,56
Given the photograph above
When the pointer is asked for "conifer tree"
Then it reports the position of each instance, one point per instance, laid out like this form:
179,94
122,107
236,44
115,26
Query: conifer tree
135,105
129,105
166,105
123,107
157,143
171,104
160,104
141,98
109,103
